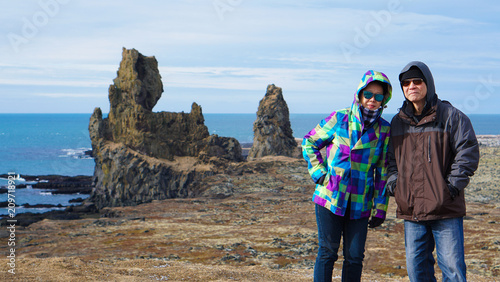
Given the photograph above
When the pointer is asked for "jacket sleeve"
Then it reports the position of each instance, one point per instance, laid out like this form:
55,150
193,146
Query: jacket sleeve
392,169
380,196
466,150
314,141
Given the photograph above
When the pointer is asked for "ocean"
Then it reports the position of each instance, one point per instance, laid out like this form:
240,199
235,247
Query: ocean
48,144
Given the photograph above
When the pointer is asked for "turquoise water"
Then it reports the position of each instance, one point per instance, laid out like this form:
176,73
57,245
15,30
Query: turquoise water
43,144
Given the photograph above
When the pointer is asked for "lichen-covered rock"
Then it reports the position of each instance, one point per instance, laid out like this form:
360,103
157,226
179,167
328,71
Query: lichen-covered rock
273,134
138,82
141,155
126,177
132,122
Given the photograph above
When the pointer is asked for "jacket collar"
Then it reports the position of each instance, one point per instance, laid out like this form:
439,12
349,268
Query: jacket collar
407,116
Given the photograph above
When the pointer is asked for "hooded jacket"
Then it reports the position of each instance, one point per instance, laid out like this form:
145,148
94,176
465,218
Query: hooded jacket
355,167
430,153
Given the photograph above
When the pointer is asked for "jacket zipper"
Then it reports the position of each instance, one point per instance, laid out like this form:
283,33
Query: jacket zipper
429,150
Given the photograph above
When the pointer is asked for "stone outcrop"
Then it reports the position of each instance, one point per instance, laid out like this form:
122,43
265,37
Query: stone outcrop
141,155
273,134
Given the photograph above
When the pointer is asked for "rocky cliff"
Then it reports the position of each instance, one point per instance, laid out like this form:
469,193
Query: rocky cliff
273,134
141,155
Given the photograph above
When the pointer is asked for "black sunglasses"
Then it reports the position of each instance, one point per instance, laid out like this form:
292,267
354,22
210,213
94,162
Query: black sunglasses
378,97
416,81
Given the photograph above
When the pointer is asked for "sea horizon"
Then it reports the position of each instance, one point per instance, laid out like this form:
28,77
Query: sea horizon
210,113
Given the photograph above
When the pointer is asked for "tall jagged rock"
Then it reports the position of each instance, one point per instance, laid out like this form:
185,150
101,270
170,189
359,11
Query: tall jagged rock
141,155
273,134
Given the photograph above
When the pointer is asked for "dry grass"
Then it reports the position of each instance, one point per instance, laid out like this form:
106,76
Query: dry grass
261,233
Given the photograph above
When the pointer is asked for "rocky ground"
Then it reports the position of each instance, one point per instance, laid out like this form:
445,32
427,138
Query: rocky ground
256,223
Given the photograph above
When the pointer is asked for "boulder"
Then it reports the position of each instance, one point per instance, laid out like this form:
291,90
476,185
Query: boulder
273,135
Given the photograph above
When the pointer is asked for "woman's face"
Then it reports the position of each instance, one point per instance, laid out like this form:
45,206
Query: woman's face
372,103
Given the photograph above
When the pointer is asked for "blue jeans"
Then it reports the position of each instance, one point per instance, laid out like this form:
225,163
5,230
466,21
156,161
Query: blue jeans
330,229
448,237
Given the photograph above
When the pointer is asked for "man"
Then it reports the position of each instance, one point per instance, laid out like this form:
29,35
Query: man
433,154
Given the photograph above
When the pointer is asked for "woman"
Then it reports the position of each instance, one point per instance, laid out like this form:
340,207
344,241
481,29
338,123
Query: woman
351,180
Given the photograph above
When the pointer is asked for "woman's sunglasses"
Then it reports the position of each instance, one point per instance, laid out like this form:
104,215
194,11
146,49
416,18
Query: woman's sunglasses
416,81
378,97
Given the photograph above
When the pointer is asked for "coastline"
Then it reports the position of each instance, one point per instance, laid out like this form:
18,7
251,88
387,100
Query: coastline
489,140
71,188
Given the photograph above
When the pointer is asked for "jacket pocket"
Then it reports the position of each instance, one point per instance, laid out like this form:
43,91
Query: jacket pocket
403,199
438,198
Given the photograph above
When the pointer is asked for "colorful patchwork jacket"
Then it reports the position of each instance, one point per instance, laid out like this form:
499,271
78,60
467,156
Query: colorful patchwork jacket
356,163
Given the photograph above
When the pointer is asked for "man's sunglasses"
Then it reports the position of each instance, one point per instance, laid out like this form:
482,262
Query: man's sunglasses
416,81
378,97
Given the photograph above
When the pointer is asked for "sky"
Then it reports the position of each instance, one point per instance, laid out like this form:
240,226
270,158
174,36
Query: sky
60,56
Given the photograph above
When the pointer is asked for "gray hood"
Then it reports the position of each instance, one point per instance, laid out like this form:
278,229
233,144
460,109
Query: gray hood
431,99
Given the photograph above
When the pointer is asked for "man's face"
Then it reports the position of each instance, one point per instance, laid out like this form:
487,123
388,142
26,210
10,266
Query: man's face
415,92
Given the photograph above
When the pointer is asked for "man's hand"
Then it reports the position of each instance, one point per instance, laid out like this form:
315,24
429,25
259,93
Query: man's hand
375,222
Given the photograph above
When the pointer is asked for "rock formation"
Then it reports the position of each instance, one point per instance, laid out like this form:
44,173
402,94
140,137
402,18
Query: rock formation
273,134
141,155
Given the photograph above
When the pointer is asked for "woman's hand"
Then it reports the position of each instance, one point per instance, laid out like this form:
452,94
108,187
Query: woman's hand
375,222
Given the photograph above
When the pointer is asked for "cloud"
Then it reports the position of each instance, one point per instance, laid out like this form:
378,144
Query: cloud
71,75
296,45
242,78
69,95
53,82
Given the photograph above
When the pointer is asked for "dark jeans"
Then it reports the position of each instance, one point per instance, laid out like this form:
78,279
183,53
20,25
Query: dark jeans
330,229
